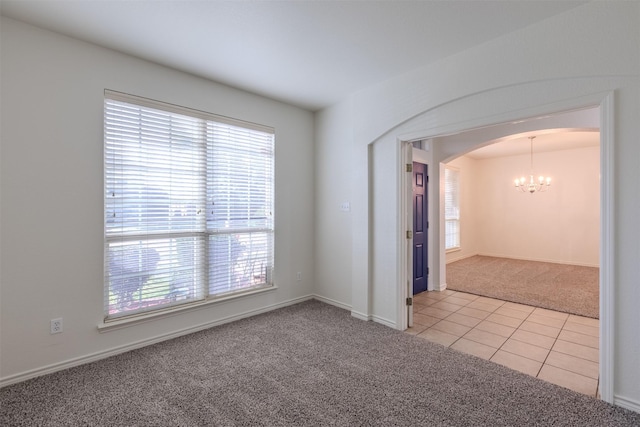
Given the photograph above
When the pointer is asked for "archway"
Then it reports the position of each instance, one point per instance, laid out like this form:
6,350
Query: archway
445,146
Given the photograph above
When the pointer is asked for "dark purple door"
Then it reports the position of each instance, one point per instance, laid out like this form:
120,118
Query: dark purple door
420,227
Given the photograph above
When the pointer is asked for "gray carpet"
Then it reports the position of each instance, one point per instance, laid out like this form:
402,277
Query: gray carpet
309,365
568,288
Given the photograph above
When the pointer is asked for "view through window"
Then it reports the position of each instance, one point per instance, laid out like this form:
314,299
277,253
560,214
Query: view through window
188,205
452,208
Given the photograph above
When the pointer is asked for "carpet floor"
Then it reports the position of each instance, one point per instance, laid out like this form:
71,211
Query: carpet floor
568,288
309,365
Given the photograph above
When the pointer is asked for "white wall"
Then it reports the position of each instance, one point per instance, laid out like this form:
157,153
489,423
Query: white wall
333,281
385,160
52,196
561,225
572,60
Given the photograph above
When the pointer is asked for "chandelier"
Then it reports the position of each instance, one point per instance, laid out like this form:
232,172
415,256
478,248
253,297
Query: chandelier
533,186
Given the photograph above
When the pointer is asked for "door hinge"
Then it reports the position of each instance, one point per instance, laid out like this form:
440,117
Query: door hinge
409,167
409,234
409,301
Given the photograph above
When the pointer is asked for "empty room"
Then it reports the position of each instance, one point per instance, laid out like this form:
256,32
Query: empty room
205,208
523,260
556,223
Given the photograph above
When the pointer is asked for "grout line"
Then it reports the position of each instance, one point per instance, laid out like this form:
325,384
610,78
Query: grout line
474,327
545,358
512,333
517,328
458,339
552,345
509,337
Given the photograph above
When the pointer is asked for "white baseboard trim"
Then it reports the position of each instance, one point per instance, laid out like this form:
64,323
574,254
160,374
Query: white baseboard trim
360,316
627,403
77,361
332,302
383,321
437,288
454,259
552,261
374,318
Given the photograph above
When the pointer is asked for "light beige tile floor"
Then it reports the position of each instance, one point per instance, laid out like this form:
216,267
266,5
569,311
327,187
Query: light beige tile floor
556,347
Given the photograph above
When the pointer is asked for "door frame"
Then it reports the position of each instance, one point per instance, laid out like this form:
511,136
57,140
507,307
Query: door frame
606,104
424,223
423,156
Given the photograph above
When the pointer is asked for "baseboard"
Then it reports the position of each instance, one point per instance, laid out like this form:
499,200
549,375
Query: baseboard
343,306
449,261
627,403
384,321
374,318
552,261
360,316
94,357
335,303
332,302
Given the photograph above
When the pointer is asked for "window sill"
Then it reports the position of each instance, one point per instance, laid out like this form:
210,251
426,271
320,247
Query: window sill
458,249
136,319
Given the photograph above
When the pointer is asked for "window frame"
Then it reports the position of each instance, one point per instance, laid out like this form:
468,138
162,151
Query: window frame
267,227
452,215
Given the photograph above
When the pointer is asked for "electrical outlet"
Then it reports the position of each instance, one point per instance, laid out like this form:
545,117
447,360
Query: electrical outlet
56,325
299,276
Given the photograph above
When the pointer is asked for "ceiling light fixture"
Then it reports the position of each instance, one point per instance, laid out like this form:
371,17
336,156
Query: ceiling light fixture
532,186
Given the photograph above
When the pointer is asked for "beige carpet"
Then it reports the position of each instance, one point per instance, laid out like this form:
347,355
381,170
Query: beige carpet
567,288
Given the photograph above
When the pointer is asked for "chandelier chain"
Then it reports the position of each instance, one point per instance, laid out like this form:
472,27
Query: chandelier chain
532,186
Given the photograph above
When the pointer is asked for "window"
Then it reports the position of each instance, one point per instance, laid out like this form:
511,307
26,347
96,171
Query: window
451,208
188,205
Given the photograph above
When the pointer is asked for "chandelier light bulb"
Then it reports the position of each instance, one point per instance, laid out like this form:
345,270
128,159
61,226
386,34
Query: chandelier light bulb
532,186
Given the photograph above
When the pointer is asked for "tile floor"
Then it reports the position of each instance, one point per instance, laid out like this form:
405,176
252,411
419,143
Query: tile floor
556,347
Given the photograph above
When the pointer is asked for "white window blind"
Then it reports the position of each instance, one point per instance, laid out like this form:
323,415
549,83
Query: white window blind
188,205
452,208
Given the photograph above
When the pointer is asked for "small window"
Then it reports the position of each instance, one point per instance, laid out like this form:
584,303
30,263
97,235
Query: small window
452,208
188,206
